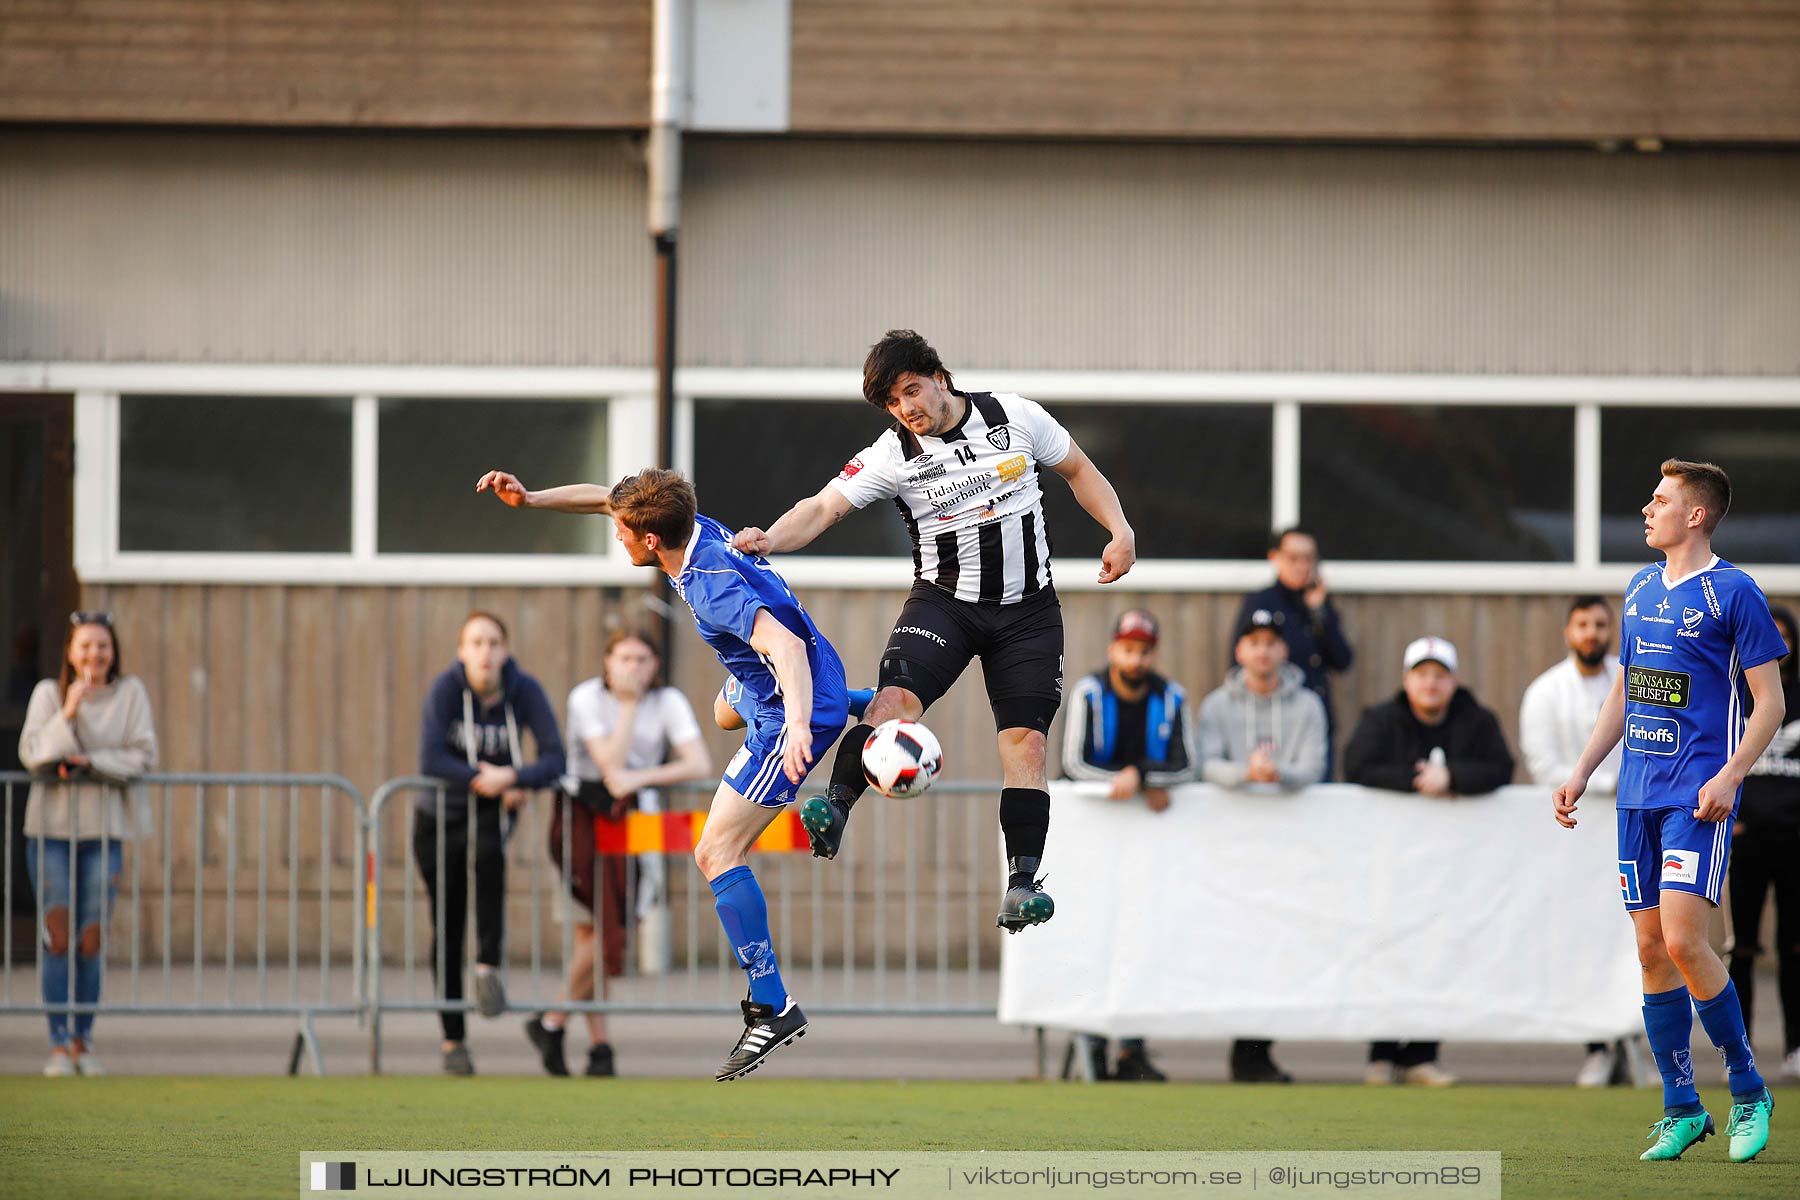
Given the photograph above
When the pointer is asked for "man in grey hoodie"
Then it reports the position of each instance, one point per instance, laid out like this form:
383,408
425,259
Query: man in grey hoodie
1261,726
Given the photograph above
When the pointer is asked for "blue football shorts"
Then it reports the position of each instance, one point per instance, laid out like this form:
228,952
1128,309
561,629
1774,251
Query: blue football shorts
755,771
1666,849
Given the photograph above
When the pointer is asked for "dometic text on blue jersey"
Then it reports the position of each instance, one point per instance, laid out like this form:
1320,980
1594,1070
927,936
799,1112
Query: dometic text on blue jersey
1685,645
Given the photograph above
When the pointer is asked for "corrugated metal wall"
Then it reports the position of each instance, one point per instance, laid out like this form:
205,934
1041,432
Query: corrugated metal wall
276,247
1246,258
310,247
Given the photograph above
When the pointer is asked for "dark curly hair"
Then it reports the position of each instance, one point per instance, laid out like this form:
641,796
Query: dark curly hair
899,352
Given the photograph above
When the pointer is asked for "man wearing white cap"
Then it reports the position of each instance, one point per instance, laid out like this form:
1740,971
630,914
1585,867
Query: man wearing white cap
1435,739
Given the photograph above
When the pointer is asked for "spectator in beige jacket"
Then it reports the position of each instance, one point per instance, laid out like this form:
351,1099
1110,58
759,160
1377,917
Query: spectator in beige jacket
87,734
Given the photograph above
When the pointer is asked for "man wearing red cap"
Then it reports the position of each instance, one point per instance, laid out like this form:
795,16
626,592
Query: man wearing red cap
1128,728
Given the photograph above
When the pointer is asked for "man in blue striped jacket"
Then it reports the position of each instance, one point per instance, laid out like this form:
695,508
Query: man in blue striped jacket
1128,727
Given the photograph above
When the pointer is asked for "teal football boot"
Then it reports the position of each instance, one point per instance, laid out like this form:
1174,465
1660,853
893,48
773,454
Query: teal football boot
1673,1135
824,818
1749,1127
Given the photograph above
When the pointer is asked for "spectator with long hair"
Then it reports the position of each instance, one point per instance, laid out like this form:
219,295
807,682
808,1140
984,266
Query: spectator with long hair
627,737
470,739
88,733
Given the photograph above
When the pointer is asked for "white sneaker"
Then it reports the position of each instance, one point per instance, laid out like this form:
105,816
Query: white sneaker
1790,1066
1427,1074
60,1066
1378,1074
88,1065
1596,1070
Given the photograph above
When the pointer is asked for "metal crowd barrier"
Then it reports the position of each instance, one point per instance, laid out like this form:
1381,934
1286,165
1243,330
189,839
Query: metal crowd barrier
238,897
900,923
250,894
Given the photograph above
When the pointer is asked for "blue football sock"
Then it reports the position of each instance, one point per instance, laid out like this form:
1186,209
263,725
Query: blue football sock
1723,1019
745,915
1669,1022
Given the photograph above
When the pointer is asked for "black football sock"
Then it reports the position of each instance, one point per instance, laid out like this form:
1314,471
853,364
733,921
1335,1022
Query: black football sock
1025,821
848,782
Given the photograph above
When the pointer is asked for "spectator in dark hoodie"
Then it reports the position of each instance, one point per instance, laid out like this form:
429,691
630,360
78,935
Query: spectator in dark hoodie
474,713
1308,620
1435,739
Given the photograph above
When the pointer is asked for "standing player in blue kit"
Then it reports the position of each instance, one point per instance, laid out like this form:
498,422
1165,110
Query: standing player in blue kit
1695,636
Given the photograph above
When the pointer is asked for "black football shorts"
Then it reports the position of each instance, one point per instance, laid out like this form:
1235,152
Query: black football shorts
1020,647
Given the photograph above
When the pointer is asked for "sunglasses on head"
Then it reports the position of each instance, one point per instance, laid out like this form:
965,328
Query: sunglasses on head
91,618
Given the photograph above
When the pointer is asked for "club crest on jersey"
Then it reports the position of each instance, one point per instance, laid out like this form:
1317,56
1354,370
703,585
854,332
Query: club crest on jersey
1000,439
1690,617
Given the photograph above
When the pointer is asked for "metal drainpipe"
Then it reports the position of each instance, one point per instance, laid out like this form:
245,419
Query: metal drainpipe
668,111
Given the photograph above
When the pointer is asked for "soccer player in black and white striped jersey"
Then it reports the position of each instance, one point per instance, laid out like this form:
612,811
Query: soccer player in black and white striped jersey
963,470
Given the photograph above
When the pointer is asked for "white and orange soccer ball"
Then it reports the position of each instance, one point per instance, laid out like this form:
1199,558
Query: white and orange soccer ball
901,758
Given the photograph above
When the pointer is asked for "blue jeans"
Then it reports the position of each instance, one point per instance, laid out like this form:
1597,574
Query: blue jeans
54,863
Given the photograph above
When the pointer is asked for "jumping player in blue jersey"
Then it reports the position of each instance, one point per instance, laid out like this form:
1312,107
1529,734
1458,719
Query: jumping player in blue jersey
1695,636
793,685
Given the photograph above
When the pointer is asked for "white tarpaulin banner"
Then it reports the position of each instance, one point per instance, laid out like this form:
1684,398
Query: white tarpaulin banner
1333,913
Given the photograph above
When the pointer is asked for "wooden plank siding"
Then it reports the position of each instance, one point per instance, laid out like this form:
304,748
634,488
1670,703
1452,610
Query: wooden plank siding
468,63
1700,70
333,678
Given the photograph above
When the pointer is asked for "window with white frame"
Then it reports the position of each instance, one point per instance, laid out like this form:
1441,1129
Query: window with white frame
225,474
1194,479
1759,449
1431,483
753,458
216,485
1439,483
433,450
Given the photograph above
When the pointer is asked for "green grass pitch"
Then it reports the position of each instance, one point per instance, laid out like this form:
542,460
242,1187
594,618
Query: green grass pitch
192,1137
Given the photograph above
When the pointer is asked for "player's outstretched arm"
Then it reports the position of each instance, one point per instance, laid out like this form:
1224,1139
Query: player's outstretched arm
798,526
1719,794
1609,727
786,655
569,498
1094,492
